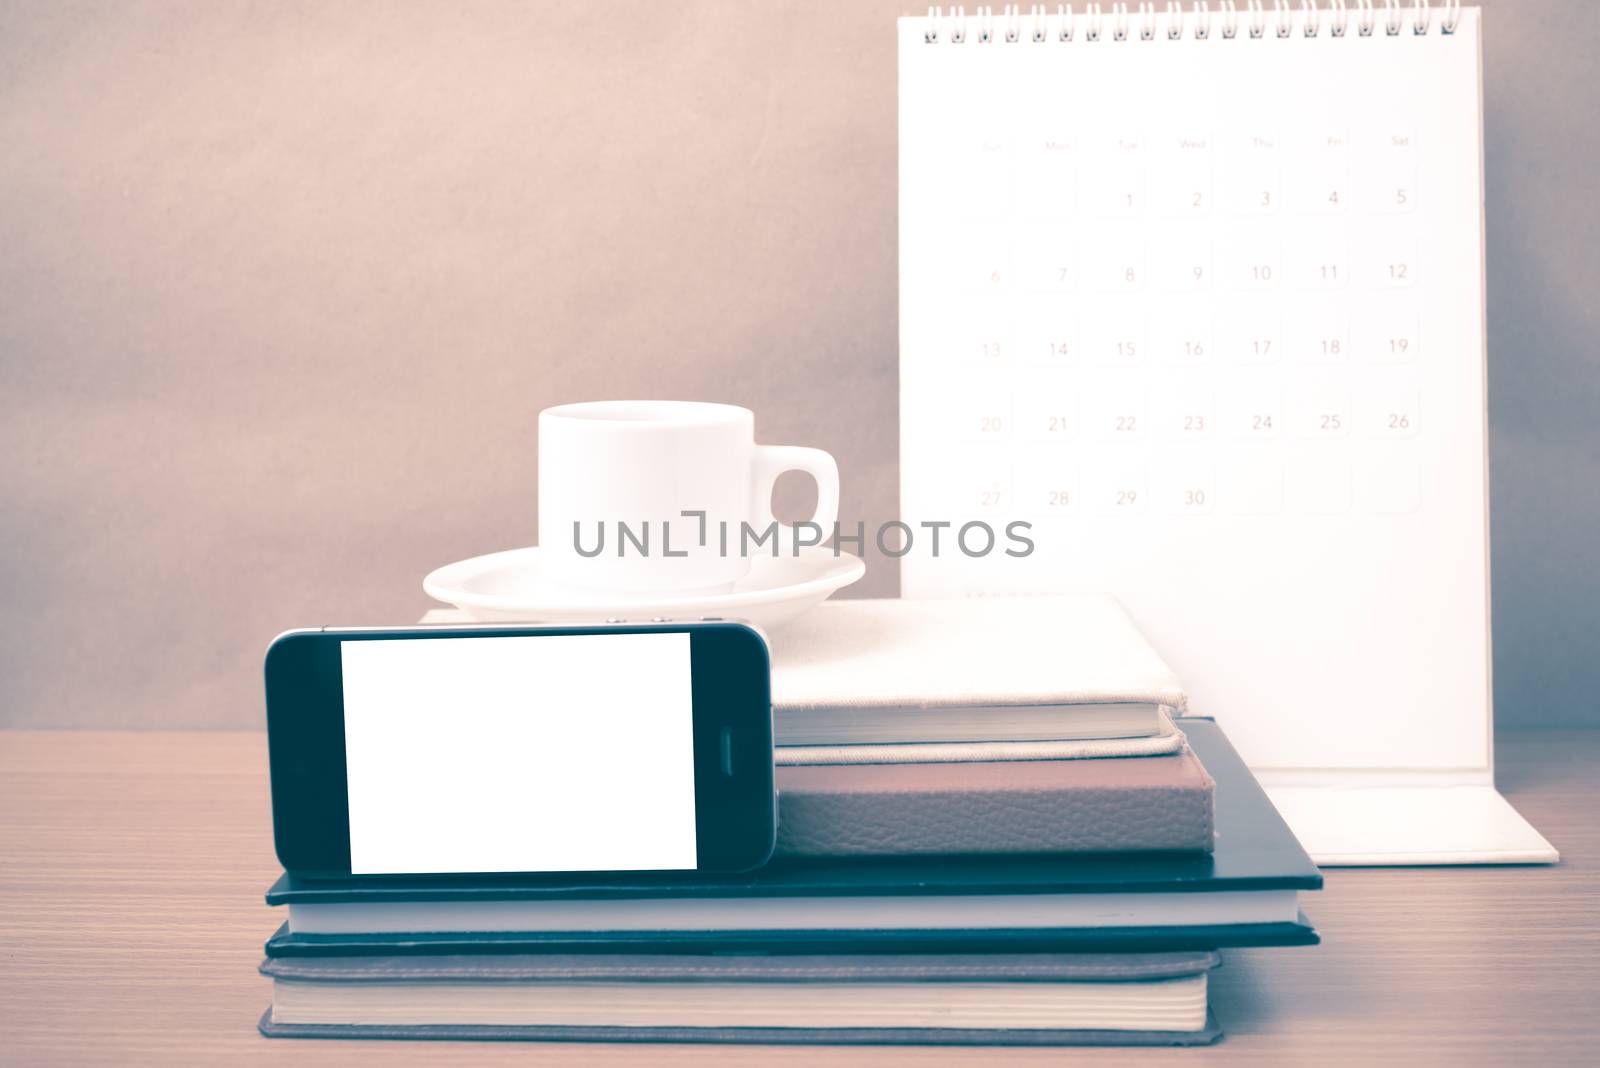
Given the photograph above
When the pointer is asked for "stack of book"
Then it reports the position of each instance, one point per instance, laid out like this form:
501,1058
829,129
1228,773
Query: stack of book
994,827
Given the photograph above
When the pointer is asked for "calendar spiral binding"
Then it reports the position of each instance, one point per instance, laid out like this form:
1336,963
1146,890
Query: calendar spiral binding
1255,17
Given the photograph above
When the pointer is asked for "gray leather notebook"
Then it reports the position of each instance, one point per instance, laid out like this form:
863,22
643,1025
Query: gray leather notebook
992,999
1106,805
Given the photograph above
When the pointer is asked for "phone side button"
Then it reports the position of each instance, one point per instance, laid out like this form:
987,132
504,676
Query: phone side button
727,751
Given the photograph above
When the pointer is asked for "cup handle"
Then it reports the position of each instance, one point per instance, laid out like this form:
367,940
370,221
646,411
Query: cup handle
772,461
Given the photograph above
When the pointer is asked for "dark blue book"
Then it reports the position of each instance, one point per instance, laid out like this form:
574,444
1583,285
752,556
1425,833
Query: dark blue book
1246,892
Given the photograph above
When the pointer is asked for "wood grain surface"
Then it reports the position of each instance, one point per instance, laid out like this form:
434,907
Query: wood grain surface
131,923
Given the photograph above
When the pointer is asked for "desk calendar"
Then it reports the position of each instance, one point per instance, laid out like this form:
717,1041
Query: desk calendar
1198,292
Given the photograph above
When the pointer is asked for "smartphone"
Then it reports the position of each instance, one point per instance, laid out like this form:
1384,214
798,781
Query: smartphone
478,749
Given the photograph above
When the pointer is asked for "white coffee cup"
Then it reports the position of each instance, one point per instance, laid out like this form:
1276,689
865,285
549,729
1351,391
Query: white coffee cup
656,496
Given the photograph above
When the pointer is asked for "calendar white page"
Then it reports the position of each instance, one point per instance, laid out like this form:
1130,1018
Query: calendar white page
1209,314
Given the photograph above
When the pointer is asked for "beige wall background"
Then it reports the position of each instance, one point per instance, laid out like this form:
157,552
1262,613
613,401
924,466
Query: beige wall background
283,286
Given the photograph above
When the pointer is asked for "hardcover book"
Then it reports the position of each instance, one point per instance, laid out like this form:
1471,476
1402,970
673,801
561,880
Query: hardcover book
992,999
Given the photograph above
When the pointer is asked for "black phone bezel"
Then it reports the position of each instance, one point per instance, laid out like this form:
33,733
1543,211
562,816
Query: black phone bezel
735,802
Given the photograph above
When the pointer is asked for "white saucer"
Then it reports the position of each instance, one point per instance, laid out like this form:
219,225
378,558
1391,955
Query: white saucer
508,586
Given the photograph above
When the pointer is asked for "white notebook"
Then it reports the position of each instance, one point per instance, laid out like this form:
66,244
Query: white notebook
1197,290
965,679
954,653
969,678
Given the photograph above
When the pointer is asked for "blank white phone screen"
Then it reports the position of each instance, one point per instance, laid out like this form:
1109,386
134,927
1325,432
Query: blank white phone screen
551,753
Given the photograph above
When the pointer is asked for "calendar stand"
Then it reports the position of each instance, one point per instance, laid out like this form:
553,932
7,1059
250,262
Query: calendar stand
1415,822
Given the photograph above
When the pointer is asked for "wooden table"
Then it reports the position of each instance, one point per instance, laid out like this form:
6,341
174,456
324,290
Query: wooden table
132,867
